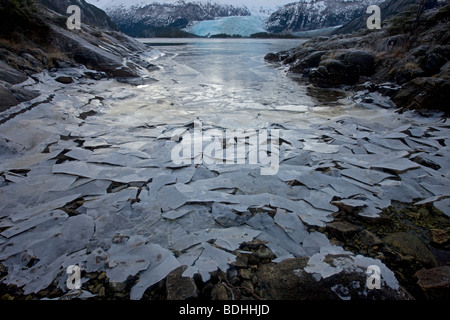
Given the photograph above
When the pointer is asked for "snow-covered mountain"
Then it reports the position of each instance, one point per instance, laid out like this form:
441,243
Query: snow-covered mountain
142,18
147,18
243,26
315,14
256,7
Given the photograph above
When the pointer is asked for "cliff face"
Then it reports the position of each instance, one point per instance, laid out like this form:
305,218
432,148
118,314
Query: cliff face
388,8
316,14
34,38
153,19
90,14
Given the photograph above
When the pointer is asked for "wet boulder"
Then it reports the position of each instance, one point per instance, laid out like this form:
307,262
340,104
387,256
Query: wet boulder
424,93
312,60
433,59
363,60
333,73
292,279
179,287
298,54
435,282
410,248
9,94
273,57
10,75
64,80
7,99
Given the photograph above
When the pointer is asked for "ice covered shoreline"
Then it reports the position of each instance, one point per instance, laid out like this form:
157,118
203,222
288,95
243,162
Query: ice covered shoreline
104,194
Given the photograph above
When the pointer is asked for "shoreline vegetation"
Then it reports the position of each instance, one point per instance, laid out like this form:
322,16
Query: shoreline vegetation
408,64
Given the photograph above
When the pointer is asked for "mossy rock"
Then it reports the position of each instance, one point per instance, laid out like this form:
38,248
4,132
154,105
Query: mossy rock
411,248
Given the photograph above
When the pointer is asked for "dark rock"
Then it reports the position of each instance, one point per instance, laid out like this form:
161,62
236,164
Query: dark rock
264,253
22,94
10,75
342,229
273,57
310,61
333,73
220,292
35,63
369,239
405,72
85,115
245,273
433,59
298,54
435,282
95,75
439,237
7,99
364,60
91,14
287,280
179,287
431,63
86,50
279,281
64,80
424,93
64,64
392,42
410,248
136,81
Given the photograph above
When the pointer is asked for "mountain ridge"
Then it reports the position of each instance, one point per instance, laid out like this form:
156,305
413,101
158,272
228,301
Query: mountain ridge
139,18
316,14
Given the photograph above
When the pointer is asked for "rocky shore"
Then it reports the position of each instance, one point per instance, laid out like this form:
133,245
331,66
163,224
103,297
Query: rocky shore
412,240
144,228
407,60
34,38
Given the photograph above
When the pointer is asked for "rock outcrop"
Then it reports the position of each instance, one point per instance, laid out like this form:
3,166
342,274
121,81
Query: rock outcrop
90,14
42,42
290,280
411,52
310,15
435,282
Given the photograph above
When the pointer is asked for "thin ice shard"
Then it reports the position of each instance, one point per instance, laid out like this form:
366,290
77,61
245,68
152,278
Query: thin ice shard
48,206
169,198
161,263
33,222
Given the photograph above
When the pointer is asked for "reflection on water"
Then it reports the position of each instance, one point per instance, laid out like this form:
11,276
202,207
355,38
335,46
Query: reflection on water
327,96
227,82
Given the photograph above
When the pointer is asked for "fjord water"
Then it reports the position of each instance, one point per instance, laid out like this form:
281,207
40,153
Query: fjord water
226,81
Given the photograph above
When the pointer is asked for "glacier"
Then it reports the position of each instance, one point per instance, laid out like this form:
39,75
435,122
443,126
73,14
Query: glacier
236,25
